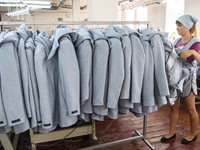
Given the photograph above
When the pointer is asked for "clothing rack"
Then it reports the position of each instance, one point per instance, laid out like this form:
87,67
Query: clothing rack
75,23
91,128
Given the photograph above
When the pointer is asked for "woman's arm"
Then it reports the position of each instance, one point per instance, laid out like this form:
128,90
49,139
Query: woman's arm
188,53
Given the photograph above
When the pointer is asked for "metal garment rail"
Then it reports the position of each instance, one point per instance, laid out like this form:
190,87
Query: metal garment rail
135,136
75,22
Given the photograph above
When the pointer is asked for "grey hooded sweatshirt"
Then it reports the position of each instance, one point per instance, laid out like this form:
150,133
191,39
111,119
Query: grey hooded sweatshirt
190,82
125,93
11,83
137,65
23,36
116,70
4,128
125,100
30,50
25,74
84,51
64,72
100,73
161,87
45,85
159,61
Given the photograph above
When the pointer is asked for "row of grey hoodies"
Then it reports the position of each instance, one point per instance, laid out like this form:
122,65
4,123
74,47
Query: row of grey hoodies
87,74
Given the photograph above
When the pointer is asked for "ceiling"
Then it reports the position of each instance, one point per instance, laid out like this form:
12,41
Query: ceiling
55,3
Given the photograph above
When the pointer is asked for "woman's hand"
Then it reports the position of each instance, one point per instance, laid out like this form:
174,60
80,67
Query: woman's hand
186,54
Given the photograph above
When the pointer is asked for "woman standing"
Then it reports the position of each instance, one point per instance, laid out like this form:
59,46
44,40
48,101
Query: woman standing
189,47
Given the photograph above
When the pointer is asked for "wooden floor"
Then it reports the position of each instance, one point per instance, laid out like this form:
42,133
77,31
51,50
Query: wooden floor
124,127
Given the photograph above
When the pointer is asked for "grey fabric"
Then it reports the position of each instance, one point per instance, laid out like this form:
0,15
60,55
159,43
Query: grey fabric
137,65
11,83
148,97
10,80
5,129
45,86
159,62
100,73
3,119
24,68
125,100
25,74
190,82
100,63
116,70
30,50
116,67
125,93
84,51
65,75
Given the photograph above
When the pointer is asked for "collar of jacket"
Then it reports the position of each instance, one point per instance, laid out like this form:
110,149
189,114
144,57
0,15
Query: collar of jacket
43,38
11,36
121,31
145,38
110,32
83,34
59,33
30,41
22,31
98,35
133,32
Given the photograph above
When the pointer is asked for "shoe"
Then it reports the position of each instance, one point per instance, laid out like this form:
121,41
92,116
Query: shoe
184,141
164,139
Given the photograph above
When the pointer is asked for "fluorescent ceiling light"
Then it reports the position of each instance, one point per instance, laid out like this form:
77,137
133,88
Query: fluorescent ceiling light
123,2
39,6
10,1
24,13
12,5
37,2
17,12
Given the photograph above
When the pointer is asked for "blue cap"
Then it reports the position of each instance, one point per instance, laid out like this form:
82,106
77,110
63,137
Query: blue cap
187,20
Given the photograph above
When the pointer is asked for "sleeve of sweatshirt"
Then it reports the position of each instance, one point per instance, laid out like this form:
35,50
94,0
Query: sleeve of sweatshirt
84,55
137,68
46,94
34,89
69,76
11,85
116,73
3,119
24,75
159,62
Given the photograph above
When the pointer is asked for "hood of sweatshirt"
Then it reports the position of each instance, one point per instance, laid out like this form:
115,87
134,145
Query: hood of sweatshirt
61,31
97,34
83,34
110,32
30,44
11,36
121,31
43,38
22,31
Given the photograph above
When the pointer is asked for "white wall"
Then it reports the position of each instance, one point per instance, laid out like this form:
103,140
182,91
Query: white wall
102,10
192,7
157,16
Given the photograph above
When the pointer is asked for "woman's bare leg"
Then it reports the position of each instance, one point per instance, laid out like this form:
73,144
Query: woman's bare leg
189,103
173,118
